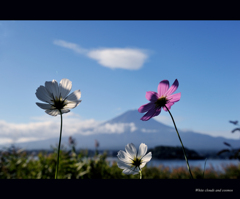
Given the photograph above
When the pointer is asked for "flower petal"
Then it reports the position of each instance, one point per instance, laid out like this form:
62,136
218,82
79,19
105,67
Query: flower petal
131,150
43,95
151,96
142,165
124,157
74,96
132,171
65,110
123,165
149,114
147,157
52,88
65,87
142,150
54,112
163,87
146,107
72,104
44,106
158,111
173,88
174,98
168,105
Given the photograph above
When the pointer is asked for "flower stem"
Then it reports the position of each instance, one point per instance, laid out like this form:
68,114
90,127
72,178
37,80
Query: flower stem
181,143
204,167
56,172
140,172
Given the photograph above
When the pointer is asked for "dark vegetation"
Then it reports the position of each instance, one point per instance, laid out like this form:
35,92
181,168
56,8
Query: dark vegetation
231,152
168,152
19,164
16,163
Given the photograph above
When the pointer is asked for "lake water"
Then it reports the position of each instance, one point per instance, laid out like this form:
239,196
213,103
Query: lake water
216,164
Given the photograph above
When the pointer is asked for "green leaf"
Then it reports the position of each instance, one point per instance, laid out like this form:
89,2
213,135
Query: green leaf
236,129
234,122
226,144
223,151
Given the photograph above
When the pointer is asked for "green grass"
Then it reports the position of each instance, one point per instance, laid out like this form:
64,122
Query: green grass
17,164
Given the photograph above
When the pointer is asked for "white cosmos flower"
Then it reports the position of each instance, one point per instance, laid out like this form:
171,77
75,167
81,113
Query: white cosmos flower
56,97
132,161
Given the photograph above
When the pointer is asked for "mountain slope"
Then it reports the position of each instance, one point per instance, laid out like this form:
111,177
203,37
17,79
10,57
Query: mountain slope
150,132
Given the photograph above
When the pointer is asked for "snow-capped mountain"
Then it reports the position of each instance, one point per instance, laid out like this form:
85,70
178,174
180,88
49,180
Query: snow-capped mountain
116,133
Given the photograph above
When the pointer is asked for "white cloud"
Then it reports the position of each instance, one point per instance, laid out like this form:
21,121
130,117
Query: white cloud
71,46
124,58
222,133
46,127
112,128
148,130
6,141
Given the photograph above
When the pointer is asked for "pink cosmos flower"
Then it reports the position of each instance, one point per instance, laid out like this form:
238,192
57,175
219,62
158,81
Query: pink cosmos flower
161,99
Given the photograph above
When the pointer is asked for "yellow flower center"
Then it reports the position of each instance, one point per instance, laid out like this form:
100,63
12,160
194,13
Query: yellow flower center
136,162
161,102
58,103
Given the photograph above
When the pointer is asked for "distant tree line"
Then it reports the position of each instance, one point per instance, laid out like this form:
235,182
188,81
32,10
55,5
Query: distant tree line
169,152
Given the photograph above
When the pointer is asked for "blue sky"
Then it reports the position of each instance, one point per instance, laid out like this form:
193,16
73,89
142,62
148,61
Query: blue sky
114,63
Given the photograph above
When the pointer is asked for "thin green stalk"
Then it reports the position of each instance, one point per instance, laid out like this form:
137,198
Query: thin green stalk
181,143
56,172
204,167
140,172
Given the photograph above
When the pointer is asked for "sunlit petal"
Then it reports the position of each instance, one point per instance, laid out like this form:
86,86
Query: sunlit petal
72,104
65,87
43,95
131,171
143,165
54,112
131,150
157,112
147,157
173,88
149,114
174,98
142,150
168,105
151,96
65,110
163,87
74,96
52,88
124,157
123,165
146,107
44,106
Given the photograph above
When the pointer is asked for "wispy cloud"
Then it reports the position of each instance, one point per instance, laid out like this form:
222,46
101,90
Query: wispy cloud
116,128
71,46
44,128
148,130
124,58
